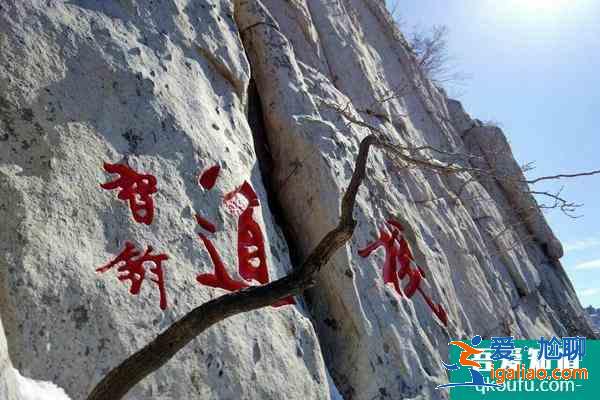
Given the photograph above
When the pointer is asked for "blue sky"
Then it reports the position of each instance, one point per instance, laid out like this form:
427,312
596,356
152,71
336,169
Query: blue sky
534,68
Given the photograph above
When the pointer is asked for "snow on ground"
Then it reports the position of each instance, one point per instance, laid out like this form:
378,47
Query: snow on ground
30,389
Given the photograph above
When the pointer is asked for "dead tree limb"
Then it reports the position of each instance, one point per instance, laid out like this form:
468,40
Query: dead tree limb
561,176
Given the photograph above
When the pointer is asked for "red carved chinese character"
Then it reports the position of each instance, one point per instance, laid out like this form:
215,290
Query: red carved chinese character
130,266
399,264
221,278
205,224
209,177
135,188
251,244
252,262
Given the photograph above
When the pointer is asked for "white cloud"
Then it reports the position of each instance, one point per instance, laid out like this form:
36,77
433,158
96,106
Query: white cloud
30,389
583,244
593,264
589,292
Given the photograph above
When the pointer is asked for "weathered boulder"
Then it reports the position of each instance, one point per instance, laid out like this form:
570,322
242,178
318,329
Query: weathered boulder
162,87
263,89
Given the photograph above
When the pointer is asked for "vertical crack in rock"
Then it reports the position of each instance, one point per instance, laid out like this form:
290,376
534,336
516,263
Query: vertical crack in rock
266,165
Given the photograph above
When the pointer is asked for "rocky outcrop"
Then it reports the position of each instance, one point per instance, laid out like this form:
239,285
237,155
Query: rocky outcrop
175,87
83,83
495,274
492,152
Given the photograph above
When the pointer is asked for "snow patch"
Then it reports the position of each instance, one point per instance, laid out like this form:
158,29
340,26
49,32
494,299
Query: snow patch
30,389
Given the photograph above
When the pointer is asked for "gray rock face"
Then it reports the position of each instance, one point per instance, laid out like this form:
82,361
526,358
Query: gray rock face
593,315
175,87
494,269
163,87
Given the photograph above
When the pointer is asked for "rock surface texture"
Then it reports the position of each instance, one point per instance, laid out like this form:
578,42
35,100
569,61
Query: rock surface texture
175,87
593,315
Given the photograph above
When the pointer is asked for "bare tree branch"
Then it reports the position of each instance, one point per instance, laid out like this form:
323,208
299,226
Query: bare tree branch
561,176
412,157
567,207
430,48
397,149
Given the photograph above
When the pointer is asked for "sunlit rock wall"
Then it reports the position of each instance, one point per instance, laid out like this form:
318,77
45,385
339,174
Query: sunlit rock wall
160,86
175,87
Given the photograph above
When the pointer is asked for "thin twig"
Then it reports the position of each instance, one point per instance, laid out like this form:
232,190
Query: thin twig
410,155
561,176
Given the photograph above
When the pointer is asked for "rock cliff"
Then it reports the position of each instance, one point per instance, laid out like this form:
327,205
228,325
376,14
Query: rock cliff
260,89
